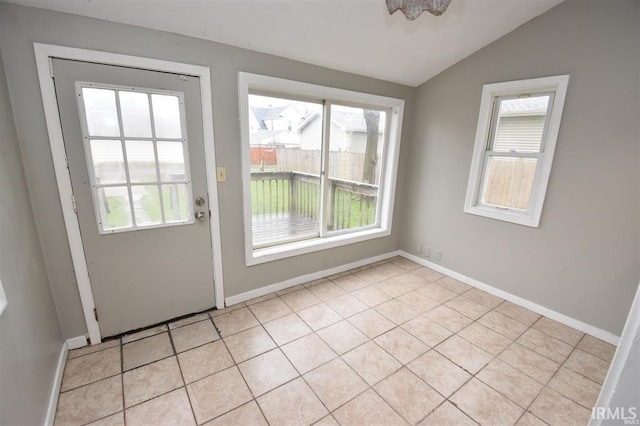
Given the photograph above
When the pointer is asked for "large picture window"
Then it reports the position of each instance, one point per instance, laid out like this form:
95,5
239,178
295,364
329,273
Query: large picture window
515,142
319,165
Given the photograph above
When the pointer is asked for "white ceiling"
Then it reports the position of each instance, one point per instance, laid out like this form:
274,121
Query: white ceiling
356,36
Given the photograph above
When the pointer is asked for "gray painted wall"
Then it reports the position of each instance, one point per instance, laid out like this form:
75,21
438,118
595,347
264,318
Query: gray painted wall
583,259
30,339
21,26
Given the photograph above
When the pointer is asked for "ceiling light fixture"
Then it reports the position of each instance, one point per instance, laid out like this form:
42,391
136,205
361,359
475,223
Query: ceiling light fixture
413,8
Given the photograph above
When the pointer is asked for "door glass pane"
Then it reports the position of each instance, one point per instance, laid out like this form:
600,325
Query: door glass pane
285,158
108,161
114,209
508,182
100,109
520,124
136,121
146,205
176,202
355,161
171,158
141,161
166,116
139,177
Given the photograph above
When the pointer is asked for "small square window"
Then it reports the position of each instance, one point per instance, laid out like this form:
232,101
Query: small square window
513,152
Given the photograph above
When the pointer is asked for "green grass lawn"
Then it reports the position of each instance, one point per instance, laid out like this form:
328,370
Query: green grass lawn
117,216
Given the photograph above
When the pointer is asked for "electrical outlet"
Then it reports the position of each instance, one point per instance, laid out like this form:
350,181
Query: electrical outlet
324,261
438,255
419,248
426,251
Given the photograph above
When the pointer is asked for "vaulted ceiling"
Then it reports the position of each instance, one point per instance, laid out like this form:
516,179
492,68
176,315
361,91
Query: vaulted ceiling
356,36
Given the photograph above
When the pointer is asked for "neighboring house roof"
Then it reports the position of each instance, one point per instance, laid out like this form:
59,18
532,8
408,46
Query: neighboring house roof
347,121
270,113
307,120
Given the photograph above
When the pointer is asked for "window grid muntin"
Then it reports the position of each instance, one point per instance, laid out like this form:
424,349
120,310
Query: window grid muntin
152,118
95,187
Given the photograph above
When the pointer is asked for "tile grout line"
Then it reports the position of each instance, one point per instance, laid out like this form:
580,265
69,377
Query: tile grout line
474,376
396,326
301,375
235,364
338,356
491,309
546,385
497,356
184,383
369,339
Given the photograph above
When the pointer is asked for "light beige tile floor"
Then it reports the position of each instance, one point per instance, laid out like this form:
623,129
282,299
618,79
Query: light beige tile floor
391,343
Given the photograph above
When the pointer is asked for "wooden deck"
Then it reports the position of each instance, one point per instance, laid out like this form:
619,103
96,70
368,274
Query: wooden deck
281,226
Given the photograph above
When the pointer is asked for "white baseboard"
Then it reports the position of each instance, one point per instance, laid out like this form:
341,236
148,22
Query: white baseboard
242,297
55,388
77,342
557,316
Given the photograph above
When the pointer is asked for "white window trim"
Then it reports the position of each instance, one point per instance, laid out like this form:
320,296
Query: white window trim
255,82
558,85
3,299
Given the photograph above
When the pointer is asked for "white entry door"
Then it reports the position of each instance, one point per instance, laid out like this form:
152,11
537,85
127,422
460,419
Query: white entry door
134,144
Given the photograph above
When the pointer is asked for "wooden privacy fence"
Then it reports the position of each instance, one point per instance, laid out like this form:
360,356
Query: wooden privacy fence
509,182
342,165
350,204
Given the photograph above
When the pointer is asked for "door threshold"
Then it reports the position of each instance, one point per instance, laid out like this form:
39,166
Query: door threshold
165,322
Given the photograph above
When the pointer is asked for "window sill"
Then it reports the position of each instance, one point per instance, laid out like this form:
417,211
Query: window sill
256,257
520,218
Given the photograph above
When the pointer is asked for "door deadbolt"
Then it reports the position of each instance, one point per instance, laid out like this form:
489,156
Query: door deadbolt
199,201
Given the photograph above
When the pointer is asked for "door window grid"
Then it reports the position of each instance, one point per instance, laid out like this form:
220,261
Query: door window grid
160,199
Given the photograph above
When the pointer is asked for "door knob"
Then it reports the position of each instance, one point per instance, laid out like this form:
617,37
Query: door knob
201,216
